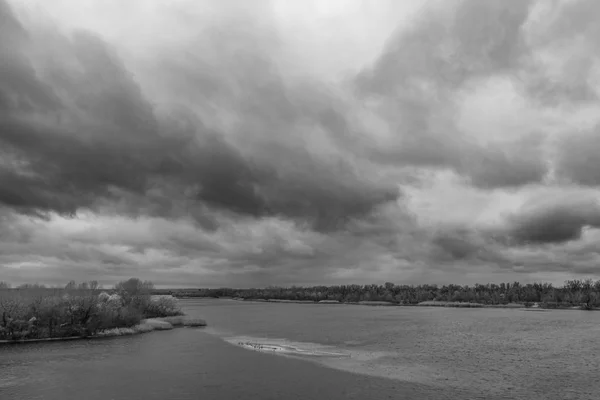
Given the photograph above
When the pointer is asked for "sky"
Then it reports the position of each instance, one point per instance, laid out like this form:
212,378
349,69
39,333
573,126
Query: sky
199,143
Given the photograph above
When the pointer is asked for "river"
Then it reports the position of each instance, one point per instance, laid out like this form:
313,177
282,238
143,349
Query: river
389,352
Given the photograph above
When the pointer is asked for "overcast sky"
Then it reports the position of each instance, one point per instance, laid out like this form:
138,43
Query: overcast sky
201,143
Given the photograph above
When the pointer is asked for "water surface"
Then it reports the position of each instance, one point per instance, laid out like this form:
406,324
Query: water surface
394,352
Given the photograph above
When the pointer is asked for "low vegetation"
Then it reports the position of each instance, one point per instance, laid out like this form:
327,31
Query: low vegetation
180,320
583,294
37,312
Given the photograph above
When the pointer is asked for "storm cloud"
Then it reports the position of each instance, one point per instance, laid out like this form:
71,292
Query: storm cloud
83,129
231,147
555,220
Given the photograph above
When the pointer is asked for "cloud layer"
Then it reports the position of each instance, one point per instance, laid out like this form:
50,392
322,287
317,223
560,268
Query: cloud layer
456,143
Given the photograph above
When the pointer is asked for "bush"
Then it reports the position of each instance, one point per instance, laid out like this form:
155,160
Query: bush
129,316
103,297
162,306
134,292
117,332
156,324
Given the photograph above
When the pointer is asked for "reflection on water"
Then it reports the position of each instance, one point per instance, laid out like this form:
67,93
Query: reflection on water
428,353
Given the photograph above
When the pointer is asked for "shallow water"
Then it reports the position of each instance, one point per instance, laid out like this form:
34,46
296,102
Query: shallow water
413,353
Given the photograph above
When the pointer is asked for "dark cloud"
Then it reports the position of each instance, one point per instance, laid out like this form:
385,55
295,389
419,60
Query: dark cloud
456,244
461,244
20,88
103,140
554,220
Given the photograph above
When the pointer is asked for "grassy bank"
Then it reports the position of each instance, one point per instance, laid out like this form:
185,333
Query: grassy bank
85,311
154,324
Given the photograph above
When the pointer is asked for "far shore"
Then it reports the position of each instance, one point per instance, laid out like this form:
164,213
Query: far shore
145,326
448,304
574,294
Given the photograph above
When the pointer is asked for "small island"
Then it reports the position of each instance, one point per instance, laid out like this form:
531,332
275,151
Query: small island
37,313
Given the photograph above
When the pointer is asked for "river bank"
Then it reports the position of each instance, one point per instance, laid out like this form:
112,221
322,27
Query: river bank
523,306
574,293
145,326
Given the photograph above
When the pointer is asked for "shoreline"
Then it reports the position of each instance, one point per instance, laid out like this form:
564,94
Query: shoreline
442,304
145,326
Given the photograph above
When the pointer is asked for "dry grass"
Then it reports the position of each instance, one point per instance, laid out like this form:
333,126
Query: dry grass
152,324
182,320
157,324
122,331
147,325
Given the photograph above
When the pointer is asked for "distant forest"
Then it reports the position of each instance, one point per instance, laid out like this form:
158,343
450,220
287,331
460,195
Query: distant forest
584,294
574,293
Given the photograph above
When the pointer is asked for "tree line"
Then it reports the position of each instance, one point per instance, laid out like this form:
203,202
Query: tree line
574,293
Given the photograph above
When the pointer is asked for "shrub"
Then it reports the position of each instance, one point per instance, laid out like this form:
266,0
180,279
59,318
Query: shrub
103,297
143,328
156,324
117,332
129,316
162,306
135,292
